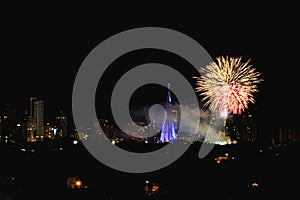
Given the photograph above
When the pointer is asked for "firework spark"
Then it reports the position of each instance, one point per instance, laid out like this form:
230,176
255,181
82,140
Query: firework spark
228,84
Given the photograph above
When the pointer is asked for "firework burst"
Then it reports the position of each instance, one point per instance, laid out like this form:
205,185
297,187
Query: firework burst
228,84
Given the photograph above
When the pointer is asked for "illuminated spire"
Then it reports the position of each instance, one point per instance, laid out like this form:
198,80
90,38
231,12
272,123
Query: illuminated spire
168,131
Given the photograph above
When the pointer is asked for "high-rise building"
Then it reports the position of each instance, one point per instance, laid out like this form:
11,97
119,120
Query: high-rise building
35,121
31,105
39,118
283,136
31,127
242,128
61,122
168,131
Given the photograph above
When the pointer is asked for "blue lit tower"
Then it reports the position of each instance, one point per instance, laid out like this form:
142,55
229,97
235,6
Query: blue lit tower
168,131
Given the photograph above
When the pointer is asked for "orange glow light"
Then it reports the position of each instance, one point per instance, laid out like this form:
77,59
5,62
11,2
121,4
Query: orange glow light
78,183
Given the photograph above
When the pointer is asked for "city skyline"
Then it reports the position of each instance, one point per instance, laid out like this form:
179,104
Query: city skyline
29,125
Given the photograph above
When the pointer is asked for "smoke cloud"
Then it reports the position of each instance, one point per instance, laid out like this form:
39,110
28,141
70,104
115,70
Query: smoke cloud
208,127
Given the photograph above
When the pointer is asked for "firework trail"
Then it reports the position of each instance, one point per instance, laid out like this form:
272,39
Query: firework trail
228,84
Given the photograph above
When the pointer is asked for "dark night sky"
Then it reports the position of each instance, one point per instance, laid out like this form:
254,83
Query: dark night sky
42,48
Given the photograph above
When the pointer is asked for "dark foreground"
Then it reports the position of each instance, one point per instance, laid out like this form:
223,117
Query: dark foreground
249,172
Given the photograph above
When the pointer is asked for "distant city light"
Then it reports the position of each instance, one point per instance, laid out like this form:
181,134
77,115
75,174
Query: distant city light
78,183
255,185
155,188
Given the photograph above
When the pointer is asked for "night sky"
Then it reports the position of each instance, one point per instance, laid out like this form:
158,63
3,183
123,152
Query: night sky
43,47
